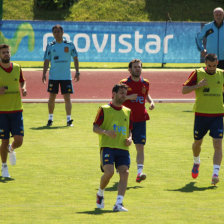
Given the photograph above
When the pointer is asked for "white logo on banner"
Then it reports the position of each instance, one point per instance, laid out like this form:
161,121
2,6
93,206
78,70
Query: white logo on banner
152,46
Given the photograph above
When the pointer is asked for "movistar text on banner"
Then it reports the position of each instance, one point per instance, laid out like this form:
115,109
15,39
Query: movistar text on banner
152,42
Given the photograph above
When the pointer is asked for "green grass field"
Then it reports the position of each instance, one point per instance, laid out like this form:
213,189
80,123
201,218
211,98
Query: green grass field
57,173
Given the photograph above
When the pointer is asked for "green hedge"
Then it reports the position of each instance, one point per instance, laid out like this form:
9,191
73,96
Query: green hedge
54,4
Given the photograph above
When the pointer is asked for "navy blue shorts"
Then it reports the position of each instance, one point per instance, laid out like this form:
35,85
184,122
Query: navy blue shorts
204,124
66,86
11,123
112,156
139,132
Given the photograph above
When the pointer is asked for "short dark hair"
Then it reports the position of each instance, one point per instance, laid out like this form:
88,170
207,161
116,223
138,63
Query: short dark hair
133,61
57,26
119,86
211,57
4,46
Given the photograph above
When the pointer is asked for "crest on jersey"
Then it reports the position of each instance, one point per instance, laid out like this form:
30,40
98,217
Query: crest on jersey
66,49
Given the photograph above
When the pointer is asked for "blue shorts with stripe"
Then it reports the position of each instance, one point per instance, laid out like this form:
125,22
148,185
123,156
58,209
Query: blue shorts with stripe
139,132
11,123
204,124
115,156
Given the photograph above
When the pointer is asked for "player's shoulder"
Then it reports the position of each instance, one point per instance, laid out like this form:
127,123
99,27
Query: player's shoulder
209,25
145,81
52,43
126,108
219,70
124,80
66,42
16,65
106,106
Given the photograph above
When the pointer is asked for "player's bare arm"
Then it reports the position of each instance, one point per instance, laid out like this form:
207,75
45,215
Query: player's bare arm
131,97
150,100
76,64
23,88
99,130
188,89
128,140
46,66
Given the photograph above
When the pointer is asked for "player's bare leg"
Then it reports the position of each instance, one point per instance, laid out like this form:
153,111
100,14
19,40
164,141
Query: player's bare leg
68,108
4,150
17,142
108,173
140,162
68,103
217,159
122,186
196,148
51,105
4,154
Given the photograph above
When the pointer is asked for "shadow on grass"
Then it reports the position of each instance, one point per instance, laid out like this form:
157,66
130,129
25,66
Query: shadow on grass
5,179
46,127
191,188
97,211
114,187
187,111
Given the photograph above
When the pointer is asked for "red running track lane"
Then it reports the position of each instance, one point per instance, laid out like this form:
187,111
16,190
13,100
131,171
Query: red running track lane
98,84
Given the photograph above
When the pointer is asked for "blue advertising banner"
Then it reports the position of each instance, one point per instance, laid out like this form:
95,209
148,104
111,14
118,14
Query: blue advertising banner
152,42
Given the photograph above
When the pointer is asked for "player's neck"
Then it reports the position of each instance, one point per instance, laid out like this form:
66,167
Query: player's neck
59,41
135,79
116,104
5,65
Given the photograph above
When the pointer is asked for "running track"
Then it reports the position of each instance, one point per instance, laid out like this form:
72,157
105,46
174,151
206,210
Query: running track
97,84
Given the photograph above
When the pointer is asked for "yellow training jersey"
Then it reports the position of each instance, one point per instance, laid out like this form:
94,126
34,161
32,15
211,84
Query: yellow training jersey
11,100
209,99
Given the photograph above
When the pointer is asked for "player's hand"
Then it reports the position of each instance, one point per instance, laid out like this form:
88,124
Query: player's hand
132,96
24,92
111,133
128,141
44,79
2,90
77,76
202,83
152,106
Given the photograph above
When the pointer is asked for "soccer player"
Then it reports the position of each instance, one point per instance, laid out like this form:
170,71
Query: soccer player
138,94
59,53
11,118
208,86
113,124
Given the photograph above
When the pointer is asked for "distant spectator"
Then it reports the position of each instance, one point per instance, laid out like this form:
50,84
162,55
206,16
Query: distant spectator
213,34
